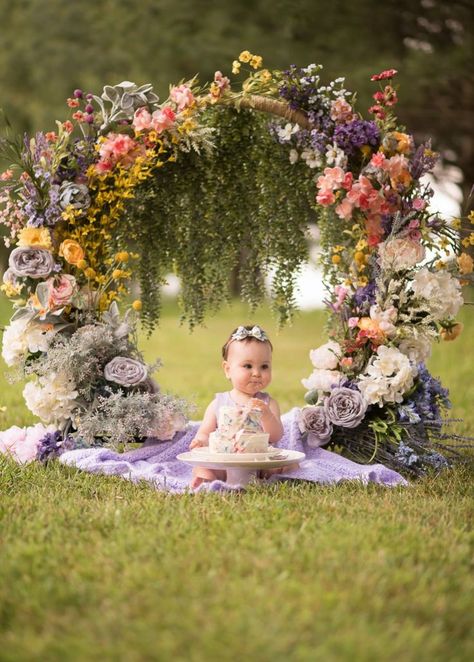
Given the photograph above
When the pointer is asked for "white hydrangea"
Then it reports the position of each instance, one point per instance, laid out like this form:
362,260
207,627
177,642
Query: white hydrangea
389,375
441,291
417,347
322,380
52,398
21,336
327,356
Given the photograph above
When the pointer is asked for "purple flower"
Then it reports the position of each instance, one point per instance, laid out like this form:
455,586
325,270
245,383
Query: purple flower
31,262
352,136
364,297
53,445
125,371
345,407
314,421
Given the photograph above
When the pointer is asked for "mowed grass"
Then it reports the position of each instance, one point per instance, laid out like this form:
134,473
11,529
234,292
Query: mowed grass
95,568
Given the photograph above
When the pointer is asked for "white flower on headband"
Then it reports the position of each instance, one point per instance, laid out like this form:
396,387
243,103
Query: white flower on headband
254,332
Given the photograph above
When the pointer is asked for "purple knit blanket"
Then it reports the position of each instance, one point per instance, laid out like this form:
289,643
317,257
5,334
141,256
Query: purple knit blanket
156,463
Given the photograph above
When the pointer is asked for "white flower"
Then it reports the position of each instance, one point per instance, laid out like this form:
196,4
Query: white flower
322,380
52,398
327,356
389,375
311,158
335,156
384,318
294,156
21,336
441,291
401,253
285,132
417,346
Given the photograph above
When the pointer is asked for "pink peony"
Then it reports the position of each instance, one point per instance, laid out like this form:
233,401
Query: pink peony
400,253
163,119
22,443
141,119
341,111
61,289
182,96
344,209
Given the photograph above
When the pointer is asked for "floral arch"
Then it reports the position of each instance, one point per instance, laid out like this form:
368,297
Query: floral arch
214,179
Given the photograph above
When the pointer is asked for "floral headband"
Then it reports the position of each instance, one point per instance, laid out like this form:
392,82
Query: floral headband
254,332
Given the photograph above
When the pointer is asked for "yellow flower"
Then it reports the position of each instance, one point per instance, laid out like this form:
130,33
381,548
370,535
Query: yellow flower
465,242
471,216
361,244
359,257
403,140
89,273
137,304
34,237
117,273
71,251
82,264
265,75
245,56
336,259
366,150
362,281
123,256
236,67
256,61
456,223
465,263
440,265
11,290
452,332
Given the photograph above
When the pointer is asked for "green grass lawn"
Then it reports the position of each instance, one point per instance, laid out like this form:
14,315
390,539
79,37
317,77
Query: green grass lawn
95,568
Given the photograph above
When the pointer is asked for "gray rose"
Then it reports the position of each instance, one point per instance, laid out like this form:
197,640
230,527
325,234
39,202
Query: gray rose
125,371
31,262
345,407
73,194
315,422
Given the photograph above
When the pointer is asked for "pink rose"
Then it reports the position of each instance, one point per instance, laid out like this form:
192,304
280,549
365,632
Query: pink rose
418,204
341,111
141,119
22,443
353,322
61,289
182,96
163,119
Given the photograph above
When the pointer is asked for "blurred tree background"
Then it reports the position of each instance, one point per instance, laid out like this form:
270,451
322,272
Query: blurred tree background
50,47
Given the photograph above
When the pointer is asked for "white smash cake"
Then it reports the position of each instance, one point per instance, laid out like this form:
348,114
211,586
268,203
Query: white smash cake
238,431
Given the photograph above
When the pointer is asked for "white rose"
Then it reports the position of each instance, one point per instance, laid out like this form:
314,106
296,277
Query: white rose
327,356
388,376
322,380
15,342
417,349
441,291
400,254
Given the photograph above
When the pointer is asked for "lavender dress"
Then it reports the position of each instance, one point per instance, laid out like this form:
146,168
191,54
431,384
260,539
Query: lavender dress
156,461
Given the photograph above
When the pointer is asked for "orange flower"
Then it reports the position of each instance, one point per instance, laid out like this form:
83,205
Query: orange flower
71,251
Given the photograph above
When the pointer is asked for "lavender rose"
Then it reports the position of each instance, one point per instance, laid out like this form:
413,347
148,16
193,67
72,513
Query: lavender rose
31,262
76,195
315,422
345,407
125,371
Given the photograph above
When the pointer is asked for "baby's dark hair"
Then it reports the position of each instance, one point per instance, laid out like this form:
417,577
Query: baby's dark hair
230,339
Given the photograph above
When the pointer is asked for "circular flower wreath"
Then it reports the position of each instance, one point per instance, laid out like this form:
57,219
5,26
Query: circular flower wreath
77,201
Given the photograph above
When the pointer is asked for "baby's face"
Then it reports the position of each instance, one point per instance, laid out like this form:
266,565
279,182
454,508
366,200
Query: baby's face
249,366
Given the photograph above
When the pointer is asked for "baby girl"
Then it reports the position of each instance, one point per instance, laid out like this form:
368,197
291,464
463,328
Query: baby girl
247,363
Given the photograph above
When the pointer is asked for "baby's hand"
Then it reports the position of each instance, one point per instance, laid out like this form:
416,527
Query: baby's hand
255,403
197,442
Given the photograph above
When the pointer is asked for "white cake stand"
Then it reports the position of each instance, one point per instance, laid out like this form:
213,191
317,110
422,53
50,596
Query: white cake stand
241,466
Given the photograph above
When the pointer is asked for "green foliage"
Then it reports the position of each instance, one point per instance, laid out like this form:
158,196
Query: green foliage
243,206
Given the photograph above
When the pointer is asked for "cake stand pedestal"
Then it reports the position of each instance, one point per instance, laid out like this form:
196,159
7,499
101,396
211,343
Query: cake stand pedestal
240,467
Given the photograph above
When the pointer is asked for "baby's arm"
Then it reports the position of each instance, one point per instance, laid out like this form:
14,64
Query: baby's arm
271,421
208,425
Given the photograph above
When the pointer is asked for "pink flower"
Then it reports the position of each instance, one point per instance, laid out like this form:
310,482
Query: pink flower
341,293
344,209
22,443
326,197
346,361
141,119
118,147
378,160
222,81
5,176
353,322
341,111
378,111
182,96
415,235
418,204
384,75
61,289
163,119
